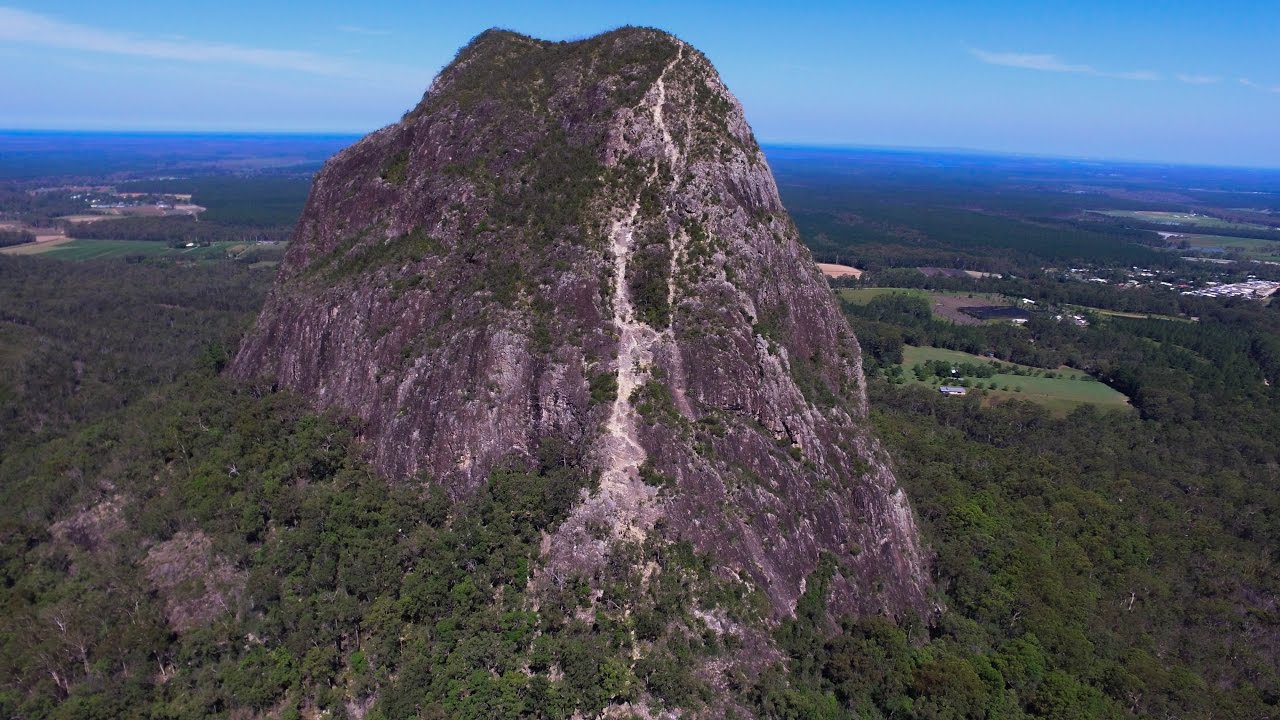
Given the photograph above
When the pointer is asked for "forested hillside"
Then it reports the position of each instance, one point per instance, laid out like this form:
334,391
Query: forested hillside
78,341
215,549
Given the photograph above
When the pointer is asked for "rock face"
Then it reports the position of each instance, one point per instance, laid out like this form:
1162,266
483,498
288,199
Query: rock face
582,244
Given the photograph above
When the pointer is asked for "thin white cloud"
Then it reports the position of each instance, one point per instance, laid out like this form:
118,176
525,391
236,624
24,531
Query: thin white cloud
1030,61
359,30
1132,75
28,28
1197,79
1047,62
1258,86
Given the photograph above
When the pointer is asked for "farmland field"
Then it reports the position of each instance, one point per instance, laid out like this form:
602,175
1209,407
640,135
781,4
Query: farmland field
103,249
1060,395
945,305
1179,218
1255,248
862,296
1134,315
835,270
35,248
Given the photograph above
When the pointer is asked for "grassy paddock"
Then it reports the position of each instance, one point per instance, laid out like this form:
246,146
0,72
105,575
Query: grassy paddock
107,249
862,296
1177,218
1256,248
943,304
1136,316
1060,395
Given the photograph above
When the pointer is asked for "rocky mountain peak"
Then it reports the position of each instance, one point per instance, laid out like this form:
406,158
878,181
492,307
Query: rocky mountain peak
575,253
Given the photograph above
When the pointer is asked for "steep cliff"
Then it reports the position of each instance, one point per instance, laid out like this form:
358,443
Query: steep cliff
578,250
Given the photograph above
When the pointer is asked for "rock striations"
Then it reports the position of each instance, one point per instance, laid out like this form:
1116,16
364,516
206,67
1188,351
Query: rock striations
580,246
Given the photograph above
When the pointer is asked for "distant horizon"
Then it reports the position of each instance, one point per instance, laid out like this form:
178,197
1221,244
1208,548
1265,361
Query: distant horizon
778,144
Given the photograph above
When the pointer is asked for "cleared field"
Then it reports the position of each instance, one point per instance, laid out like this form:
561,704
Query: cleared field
1138,316
1177,218
105,249
1255,248
89,217
1060,395
133,211
862,296
42,245
945,305
833,270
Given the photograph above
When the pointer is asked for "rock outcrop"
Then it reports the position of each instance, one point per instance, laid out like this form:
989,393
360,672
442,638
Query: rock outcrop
582,244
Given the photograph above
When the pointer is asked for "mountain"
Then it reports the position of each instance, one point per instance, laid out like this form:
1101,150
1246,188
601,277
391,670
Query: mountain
580,245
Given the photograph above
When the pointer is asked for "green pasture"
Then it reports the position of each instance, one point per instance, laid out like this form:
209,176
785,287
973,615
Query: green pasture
1179,218
862,296
1256,248
1060,395
1134,315
107,249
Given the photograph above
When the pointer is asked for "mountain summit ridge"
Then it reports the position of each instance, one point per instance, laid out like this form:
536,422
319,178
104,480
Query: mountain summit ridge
577,250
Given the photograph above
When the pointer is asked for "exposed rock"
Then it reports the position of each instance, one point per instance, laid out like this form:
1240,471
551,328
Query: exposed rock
92,528
554,220
196,585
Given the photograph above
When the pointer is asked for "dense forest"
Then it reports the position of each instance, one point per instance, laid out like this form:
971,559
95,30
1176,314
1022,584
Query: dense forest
81,340
16,237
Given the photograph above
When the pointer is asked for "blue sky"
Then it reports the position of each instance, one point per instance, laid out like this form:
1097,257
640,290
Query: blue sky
1179,82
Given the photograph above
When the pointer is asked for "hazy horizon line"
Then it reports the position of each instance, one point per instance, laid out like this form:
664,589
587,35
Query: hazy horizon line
781,144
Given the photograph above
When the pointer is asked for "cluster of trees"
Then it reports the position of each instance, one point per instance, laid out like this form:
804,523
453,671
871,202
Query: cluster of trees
177,230
36,208
16,237
943,368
